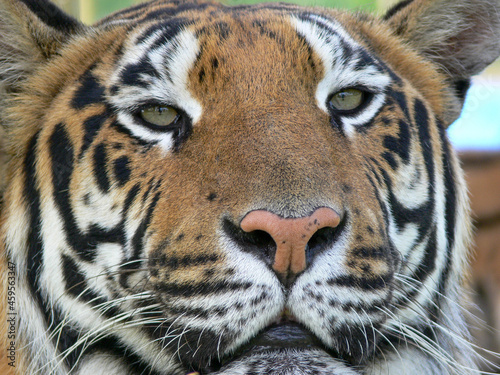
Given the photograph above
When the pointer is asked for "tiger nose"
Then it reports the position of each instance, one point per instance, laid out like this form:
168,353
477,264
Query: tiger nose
290,235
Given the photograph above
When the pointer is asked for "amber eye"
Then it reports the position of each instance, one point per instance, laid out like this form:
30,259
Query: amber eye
161,116
347,100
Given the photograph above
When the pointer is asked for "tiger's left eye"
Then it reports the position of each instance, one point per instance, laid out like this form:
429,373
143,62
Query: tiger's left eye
162,116
347,100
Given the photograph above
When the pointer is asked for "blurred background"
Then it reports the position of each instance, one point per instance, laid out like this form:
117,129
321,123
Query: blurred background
476,135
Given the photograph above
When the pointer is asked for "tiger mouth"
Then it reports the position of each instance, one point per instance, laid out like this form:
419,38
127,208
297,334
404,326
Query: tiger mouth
282,335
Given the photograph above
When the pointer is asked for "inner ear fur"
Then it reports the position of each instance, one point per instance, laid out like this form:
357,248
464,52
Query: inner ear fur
461,37
31,31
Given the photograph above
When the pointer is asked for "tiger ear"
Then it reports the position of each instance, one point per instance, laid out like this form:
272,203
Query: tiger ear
462,37
31,31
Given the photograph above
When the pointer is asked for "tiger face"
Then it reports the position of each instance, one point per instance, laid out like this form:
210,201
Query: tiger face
261,189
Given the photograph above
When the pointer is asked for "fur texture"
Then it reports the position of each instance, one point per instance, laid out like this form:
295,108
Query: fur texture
124,232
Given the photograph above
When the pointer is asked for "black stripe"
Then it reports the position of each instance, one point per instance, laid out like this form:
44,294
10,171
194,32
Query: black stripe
167,31
96,235
422,216
425,140
133,262
391,253
53,317
450,206
131,195
61,151
389,158
399,98
89,92
399,146
139,74
372,253
76,284
107,345
348,52
365,283
428,263
360,307
91,126
364,59
425,268
124,130
381,203
373,166
67,337
201,289
396,8
52,16
100,161
196,312
122,170
35,245
163,261
195,348
151,186
140,233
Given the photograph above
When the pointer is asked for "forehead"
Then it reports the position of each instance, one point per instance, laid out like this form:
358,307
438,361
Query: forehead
274,48
241,27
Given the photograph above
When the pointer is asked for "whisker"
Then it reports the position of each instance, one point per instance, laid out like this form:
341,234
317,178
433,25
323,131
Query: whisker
421,341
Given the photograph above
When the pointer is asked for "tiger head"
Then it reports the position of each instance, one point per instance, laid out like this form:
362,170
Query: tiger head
262,189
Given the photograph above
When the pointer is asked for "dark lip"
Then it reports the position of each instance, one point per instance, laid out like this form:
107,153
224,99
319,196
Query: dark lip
285,334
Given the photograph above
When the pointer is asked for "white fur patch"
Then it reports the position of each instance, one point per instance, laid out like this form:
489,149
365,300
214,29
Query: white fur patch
288,362
168,85
263,282
327,38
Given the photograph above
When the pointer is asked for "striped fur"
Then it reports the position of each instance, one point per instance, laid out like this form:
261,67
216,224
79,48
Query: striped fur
125,238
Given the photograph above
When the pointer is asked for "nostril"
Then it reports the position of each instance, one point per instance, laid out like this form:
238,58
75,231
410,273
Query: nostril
259,238
257,242
321,240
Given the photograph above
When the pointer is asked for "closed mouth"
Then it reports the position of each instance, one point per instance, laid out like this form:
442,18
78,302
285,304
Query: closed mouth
283,335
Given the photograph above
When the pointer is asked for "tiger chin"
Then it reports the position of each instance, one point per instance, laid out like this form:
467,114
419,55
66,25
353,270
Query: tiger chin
260,189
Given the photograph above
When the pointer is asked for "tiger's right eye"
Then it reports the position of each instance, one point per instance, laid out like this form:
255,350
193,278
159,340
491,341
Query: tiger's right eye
347,100
159,116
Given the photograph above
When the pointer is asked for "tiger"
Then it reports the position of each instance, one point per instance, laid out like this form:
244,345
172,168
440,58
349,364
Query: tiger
194,188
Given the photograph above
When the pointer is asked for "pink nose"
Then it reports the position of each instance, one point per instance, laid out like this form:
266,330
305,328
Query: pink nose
290,235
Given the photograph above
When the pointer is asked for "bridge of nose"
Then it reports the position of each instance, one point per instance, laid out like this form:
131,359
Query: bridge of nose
291,235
